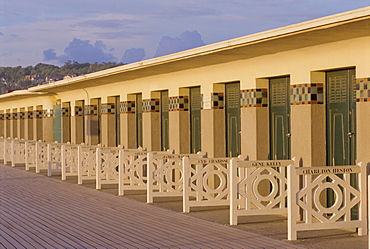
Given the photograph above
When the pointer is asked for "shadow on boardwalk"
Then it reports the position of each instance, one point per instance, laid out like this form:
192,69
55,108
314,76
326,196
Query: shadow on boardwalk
51,212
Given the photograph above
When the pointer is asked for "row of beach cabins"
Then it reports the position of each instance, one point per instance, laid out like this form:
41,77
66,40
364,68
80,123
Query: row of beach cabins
282,187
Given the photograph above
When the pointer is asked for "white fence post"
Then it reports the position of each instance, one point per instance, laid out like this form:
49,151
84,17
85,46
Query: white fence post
12,154
121,172
38,157
79,164
48,158
98,168
233,191
186,184
63,161
150,174
292,200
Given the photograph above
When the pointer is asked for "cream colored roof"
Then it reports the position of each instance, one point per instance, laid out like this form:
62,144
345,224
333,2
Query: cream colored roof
347,25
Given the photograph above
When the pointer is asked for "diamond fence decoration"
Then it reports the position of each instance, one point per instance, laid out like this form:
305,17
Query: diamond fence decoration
69,157
348,195
165,174
86,160
17,151
206,182
107,161
41,156
258,187
30,154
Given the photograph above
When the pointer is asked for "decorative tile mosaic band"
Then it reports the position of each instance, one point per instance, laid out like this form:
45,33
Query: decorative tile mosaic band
22,115
79,111
48,113
363,90
7,116
303,94
178,103
215,101
65,112
127,107
29,115
91,110
38,114
254,97
108,108
151,105
2,116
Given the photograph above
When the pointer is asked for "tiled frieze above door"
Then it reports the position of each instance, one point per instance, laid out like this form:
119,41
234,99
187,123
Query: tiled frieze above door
363,90
108,108
254,97
179,103
127,107
307,94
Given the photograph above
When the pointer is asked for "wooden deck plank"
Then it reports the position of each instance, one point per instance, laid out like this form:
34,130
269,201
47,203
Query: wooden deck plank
108,221
81,216
50,220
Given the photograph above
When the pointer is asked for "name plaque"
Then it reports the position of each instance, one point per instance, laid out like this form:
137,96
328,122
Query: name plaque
328,170
213,160
267,163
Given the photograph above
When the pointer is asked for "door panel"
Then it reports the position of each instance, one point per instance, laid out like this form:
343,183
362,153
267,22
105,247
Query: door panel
58,123
341,116
232,104
195,119
164,121
139,120
341,123
279,118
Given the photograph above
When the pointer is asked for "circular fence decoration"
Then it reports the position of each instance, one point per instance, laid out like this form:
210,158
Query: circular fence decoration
254,196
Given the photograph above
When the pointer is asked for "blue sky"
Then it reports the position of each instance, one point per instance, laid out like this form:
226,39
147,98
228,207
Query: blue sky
54,31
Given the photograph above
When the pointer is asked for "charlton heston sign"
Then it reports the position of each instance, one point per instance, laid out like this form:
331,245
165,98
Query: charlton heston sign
328,170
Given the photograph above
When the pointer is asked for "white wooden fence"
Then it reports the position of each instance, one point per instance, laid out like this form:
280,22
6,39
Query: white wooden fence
206,182
133,170
86,163
258,187
69,157
2,147
30,154
17,152
165,174
54,157
41,156
107,162
212,181
7,150
316,214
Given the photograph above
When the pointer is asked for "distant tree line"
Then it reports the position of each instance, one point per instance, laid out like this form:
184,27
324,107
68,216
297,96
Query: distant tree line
17,78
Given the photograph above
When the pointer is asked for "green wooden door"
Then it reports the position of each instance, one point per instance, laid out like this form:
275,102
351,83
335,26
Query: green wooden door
139,120
341,123
341,117
117,113
164,121
232,112
279,104
57,123
195,118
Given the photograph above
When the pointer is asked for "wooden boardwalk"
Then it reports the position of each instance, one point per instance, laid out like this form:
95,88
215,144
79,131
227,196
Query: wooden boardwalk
41,212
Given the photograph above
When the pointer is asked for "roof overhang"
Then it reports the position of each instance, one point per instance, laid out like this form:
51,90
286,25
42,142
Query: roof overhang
20,94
